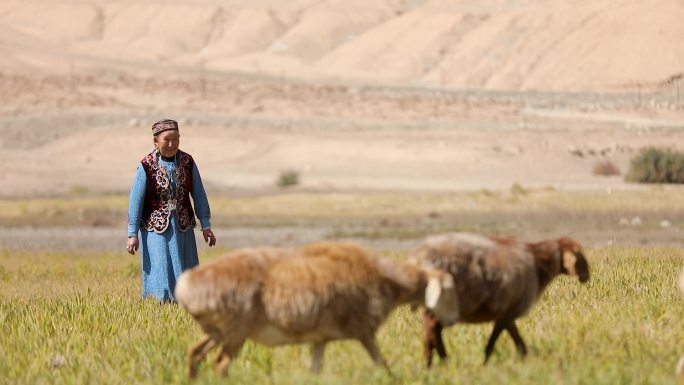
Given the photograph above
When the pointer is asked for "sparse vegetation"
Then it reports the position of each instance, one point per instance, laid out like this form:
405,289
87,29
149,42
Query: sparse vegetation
657,165
296,207
605,168
517,189
78,190
623,327
288,178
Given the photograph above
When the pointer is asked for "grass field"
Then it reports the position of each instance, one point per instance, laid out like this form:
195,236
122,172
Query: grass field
594,217
81,314
286,207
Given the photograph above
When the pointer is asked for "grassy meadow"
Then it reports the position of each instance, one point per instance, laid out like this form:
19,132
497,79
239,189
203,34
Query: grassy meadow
77,318
302,207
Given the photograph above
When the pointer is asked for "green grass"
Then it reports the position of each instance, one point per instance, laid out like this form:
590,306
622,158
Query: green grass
307,207
623,327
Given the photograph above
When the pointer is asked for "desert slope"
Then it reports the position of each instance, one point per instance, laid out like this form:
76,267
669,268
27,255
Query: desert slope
602,45
389,94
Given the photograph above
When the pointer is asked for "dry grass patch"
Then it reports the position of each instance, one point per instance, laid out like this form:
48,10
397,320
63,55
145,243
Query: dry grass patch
298,206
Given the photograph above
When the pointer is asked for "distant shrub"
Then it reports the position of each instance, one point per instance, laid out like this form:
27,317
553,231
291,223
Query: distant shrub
606,168
517,189
656,165
78,190
288,178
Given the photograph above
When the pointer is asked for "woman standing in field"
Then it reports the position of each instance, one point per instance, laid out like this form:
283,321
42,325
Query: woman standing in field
159,207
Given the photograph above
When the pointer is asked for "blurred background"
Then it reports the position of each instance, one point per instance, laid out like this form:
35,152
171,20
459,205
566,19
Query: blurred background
382,120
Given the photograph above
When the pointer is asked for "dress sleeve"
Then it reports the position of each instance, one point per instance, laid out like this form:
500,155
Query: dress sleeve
199,197
136,201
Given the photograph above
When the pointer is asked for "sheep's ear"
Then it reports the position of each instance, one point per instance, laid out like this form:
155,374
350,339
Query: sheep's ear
436,284
432,292
569,261
575,263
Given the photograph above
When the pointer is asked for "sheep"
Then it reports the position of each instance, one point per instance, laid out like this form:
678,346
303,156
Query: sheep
497,279
316,294
222,293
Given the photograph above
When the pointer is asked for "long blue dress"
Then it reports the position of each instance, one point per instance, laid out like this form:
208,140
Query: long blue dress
165,256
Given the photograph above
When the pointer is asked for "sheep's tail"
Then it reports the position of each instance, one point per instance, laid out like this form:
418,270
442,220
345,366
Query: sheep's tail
183,291
197,294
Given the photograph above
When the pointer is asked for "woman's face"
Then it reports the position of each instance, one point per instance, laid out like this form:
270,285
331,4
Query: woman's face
168,142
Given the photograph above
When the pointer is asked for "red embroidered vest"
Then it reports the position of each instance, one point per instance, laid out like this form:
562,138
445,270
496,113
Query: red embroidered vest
158,194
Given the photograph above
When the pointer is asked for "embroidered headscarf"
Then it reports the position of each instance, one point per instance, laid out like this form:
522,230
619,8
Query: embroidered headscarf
164,125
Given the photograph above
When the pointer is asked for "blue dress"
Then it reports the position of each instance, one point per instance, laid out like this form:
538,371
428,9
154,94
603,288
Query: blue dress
165,256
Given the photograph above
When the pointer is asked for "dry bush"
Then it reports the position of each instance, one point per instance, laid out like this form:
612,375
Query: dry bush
657,165
606,168
518,189
288,178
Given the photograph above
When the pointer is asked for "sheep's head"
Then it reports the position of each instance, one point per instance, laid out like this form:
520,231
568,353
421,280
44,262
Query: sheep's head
441,297
573,260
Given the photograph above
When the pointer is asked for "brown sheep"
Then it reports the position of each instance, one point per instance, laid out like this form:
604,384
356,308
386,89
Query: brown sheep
225,291
320,293
497,279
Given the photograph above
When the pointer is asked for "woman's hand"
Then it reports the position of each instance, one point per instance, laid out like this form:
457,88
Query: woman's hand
132,245
209,237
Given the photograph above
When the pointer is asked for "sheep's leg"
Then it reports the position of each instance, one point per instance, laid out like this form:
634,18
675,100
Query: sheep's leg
498,328
225,357
372,349
198,352
680,367
317,352
441,350
432,338
519,343
428,338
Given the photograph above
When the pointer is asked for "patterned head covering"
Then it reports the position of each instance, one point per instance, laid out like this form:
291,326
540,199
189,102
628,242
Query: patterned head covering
164,125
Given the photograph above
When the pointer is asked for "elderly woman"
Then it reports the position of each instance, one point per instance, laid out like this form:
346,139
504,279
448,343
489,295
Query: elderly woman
160,209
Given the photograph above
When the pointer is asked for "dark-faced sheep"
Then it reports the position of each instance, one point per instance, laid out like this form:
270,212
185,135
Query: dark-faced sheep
317,294
496,279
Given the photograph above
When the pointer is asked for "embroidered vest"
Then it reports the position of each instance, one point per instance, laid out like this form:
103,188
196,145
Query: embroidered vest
159,201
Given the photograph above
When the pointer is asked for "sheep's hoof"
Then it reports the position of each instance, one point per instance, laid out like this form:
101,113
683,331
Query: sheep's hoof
192,372
221,367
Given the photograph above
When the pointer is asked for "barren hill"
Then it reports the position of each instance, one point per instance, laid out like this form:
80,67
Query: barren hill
384,94
492,44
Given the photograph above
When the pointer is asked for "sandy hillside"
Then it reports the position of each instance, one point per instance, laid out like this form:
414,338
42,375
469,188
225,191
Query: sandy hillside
431,95
494,44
